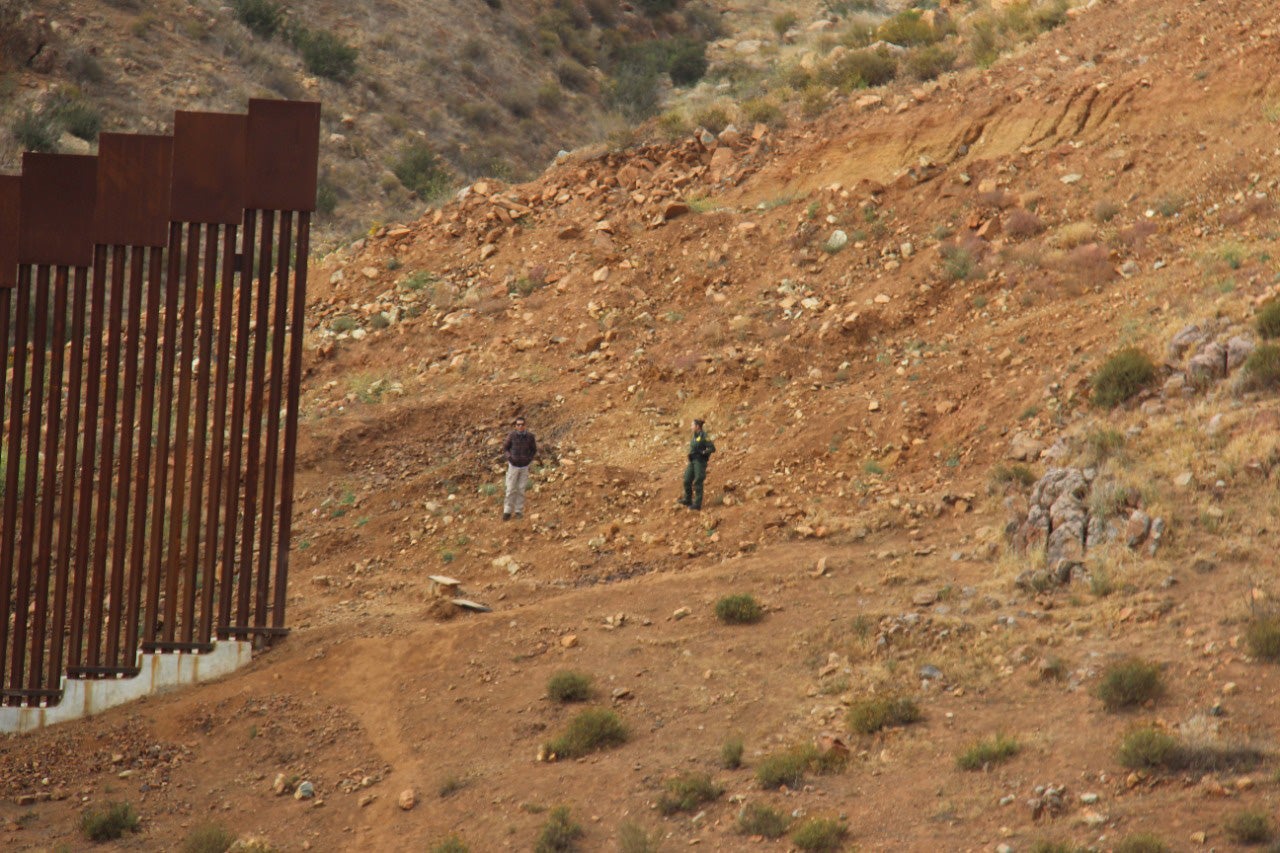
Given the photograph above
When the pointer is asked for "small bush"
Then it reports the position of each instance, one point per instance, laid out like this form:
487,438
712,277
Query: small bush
739,610
1105,211
1261,369
35,132
326,55
783,22
208,838
759,819
559,834
569,686
958,263
1054,847
861,69
262,17
633,838
1143,842
930,61
871,715
714,118
80,119
574,75
985,753
1130,683
763,111
1263,637
326,197
821,834
1022,223
1250,827
784,768
686,793
1020,475
1121,376
731,754
1147,748
1269,319
908,29
591,730
84,67
452,844
109,823
420,170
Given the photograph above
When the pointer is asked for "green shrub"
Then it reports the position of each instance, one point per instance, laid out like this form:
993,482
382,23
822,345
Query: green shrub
686,793
784,768
452,844
930,61
958,263
591,730
1021,475
109,823
1130,683
633,838
326,197
559,834
35,132
1122,375
860,69
1146,748
421,170
820,834
731,753
1263,637
262,17
569,686
208,838
1250,827
783,22
714,118
1262,368
869,716
326,55
908,29
1268,319
759,819
573,75
1054,847
985,753
763,110
80,119
740,609
1143,842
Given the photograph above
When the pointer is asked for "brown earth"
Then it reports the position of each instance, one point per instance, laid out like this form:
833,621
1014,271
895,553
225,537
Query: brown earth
860,399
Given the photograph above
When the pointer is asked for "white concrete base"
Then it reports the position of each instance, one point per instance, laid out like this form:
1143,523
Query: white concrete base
83,697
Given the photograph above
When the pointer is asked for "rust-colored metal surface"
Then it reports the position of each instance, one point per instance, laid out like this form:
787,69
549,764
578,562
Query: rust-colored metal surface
151,319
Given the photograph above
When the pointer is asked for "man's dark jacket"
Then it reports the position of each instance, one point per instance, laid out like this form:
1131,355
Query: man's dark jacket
520,448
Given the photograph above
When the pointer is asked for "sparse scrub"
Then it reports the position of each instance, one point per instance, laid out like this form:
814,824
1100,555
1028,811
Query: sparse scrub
1147,748
1043,846
326,55
1252,826
569,686
559,834
1129,684
871,715
731,753
1268,319
1263,637
1022,223
958,263
860,69
262,17
686,793
986,753
763,110
421,171
908,29
759,819
1122,375
783,22
208,838
35,132
1143,842
452,844
1102,444
820,834
740,609
790,766
1019,475
1105,211
714,118
634,838
930,61
591,730
1261,371
110,822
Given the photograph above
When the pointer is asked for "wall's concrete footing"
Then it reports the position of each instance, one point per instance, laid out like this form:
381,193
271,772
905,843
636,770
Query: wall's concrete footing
159,671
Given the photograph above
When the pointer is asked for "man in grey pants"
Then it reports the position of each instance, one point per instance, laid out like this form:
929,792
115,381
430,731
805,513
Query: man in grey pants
520,448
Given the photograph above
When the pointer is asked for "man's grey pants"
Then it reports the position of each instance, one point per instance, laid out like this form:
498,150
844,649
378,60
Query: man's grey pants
517,482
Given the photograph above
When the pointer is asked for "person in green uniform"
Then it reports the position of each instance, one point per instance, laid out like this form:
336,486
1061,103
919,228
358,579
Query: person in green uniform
695,473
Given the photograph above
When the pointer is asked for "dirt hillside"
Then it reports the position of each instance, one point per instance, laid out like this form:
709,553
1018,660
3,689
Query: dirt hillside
891,318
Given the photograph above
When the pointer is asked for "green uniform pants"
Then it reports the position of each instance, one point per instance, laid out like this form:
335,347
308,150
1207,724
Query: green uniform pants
695,473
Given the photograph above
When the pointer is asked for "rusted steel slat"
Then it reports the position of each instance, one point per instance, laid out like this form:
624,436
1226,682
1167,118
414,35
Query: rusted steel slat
208,167
283,155
10,222
49,491
106,609
200,427
213,542
298,319
10,535
244,319
173,563
57,209
135,172
128,354
271,460
146,428
66,530
160,485
7,297
253,447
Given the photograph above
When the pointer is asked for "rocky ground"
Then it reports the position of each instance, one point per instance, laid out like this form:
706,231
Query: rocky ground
890,319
